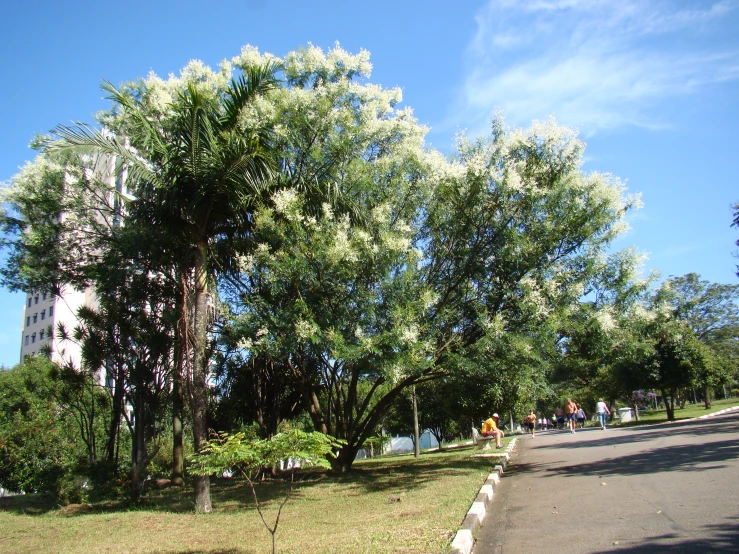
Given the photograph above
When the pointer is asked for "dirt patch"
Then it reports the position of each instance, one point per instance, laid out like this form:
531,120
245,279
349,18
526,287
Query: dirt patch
75,510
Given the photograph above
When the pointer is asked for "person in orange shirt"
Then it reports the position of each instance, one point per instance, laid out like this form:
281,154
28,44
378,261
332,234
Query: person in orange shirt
490,429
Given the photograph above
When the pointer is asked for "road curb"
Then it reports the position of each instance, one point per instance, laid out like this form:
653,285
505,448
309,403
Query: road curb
464,540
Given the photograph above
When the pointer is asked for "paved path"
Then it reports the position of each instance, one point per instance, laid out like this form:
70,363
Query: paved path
662,488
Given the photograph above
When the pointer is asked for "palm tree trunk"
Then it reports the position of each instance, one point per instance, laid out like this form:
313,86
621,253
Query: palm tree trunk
178,452
178,449
199,388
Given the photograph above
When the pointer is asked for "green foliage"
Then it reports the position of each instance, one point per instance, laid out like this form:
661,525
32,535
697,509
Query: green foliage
42,445
250,455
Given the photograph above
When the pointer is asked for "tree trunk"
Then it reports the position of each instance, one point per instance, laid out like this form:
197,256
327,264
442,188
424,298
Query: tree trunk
416,430
178,450
707,397
199,386
669,406
344,460
119,386
178,404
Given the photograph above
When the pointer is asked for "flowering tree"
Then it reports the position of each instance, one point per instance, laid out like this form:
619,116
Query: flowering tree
448,260
358,261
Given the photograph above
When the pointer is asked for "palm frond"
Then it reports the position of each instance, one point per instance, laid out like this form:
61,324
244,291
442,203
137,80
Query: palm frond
85,140
255,81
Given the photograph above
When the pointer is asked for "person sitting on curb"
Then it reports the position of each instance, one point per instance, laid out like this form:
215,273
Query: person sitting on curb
490,429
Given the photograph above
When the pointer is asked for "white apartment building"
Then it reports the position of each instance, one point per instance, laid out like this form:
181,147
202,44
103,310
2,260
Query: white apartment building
45,312
42,316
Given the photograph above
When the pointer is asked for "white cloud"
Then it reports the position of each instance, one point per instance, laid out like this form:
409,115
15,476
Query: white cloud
594,64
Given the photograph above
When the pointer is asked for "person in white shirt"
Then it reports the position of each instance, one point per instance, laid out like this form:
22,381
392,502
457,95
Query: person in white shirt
603,411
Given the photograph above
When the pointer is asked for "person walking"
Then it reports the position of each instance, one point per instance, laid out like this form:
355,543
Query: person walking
559,417
570,414
603,411
530,421
581,416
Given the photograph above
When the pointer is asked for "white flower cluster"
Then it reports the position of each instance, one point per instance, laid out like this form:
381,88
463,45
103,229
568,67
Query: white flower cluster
533,298
342,248
245,344
495,326
305,329
409,334
287,203
605,319
641,313
250,57
337,64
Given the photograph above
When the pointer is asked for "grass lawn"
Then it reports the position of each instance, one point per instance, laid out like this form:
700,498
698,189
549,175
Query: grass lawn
690,411
327,513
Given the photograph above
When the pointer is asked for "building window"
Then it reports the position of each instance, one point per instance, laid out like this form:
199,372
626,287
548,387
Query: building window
27,340
43,296
35,317
51,311
33,338
41,335
29,302
28,321
35,301
43,315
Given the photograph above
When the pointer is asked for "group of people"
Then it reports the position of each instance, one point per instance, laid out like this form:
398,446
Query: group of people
571,416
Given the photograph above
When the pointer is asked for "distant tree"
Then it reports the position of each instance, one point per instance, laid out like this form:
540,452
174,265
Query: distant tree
711,310
677,358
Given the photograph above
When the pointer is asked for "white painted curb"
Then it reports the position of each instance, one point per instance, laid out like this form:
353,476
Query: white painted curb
722,412
464,540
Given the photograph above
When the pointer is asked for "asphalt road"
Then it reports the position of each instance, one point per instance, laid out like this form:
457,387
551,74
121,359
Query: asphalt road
661,488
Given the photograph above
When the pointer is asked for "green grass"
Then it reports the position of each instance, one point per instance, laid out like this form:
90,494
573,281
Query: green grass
327,514
652,416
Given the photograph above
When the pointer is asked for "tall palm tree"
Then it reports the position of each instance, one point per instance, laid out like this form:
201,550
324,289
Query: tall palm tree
196,174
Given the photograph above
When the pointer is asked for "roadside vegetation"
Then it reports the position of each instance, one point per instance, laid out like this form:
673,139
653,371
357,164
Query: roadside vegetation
387,504
691,410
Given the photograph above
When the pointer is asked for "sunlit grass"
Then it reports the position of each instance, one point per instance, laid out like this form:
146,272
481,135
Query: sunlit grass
653,416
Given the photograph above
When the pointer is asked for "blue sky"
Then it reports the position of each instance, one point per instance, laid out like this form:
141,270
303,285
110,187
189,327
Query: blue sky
652,86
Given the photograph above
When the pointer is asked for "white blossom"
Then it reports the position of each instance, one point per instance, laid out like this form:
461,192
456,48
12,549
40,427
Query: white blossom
409,334
605,319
